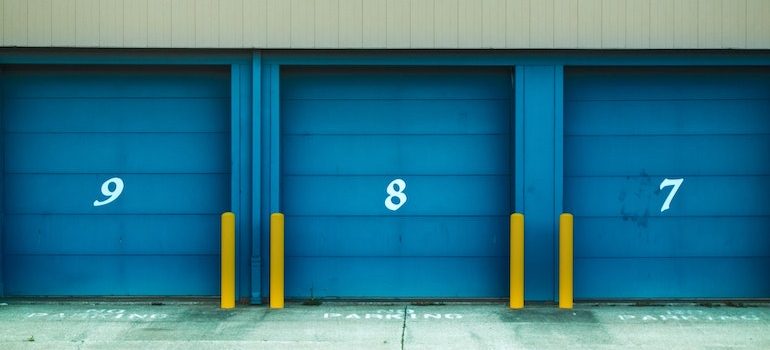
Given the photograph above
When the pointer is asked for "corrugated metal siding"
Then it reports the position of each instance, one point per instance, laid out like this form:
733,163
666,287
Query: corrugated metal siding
468,32
541,24
158,23
351,23
111,14
135,30
278,23
39,22
587,24
327,24
661,24
233,27
87,22
589,29
638,16
182,23
398,25
565,23
15,23
517,23
2,26
757,24
374,30
302,23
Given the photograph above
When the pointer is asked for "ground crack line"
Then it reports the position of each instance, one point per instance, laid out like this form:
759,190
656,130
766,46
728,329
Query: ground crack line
403,328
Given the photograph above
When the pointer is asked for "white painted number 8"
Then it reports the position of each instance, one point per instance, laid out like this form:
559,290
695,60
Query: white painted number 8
112,195
395,193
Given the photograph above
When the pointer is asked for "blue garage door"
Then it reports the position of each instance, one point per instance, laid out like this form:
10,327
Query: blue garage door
113,180
396,182
668,175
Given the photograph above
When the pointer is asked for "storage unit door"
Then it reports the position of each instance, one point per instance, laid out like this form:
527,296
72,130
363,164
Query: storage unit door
113,180
396,182
668,175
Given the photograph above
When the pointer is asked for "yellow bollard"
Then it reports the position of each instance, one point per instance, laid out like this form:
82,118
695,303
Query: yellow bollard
565,261
228,261
276,260
517,261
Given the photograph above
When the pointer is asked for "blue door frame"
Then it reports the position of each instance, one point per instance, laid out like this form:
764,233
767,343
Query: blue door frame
255,117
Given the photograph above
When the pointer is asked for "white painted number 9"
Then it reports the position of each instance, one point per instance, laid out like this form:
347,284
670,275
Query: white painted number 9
113,194
394,192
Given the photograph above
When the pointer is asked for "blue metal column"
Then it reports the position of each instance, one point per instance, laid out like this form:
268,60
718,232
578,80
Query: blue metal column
240,190
235,164
275,139
245,158
256,180
240,186
538,180
270,159
2,187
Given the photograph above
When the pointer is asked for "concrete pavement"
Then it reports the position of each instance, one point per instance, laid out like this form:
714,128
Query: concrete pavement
201,325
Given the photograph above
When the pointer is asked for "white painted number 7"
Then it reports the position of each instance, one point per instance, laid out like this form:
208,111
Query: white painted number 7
670,182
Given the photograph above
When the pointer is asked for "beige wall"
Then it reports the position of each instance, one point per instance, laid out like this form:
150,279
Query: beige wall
585,24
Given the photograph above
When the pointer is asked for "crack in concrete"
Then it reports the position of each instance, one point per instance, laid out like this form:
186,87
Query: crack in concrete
403,328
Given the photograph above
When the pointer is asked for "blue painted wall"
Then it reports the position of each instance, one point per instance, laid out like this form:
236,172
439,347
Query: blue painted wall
256,170
537,145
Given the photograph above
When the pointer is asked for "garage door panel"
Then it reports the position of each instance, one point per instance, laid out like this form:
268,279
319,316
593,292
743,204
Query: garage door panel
390,154
628,129
67,130
93,83
397,277
666,155
641,196
347,133
426,195
111,234
397,236
65,275
116,115
663,237
397,116
667,84
117,152
392,83
675,117
673,277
